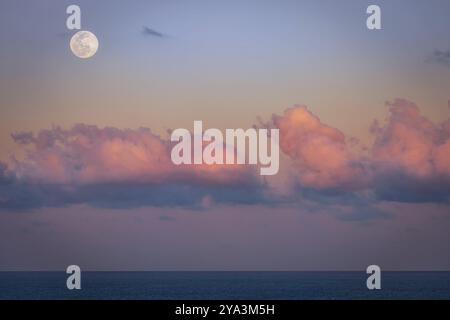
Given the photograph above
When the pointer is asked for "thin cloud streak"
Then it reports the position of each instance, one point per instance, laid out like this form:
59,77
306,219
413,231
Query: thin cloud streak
151,32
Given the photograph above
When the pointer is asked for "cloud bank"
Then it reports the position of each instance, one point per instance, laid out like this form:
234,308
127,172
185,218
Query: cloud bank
409,161
111,167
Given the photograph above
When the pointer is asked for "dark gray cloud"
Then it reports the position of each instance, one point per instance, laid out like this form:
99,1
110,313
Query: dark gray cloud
20,196
152,32
345,205
400,186
442,57
4,175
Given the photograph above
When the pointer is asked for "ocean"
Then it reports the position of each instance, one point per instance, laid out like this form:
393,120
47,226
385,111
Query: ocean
224,285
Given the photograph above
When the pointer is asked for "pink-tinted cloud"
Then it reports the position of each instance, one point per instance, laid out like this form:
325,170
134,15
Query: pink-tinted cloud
319,152
408,162
411,142
88,155
115,168
411,156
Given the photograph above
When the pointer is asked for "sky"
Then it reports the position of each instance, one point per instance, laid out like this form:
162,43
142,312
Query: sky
85,170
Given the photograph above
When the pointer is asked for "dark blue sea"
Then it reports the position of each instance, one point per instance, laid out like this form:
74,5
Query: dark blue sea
224,285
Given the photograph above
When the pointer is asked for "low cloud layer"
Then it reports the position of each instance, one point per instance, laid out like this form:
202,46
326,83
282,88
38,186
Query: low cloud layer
109,167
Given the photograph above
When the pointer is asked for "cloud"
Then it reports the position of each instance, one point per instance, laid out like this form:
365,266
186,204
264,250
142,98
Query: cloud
86,154
22,196
151,32
442,57
411,156
4,174
409,161
115,168
322,159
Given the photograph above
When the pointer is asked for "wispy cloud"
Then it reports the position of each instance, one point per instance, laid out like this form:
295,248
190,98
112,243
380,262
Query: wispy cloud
442,57
147,31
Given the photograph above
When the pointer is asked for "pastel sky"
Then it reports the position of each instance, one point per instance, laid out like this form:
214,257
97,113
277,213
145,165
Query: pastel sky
85,170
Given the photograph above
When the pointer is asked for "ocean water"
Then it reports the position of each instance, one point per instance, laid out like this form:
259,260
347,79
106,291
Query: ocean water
224,285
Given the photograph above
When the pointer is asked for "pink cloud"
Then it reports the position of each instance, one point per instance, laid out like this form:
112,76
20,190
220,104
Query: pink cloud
319,152
88,154
411,142
408,162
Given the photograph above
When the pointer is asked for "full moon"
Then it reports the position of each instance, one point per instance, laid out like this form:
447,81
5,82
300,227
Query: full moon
84,44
